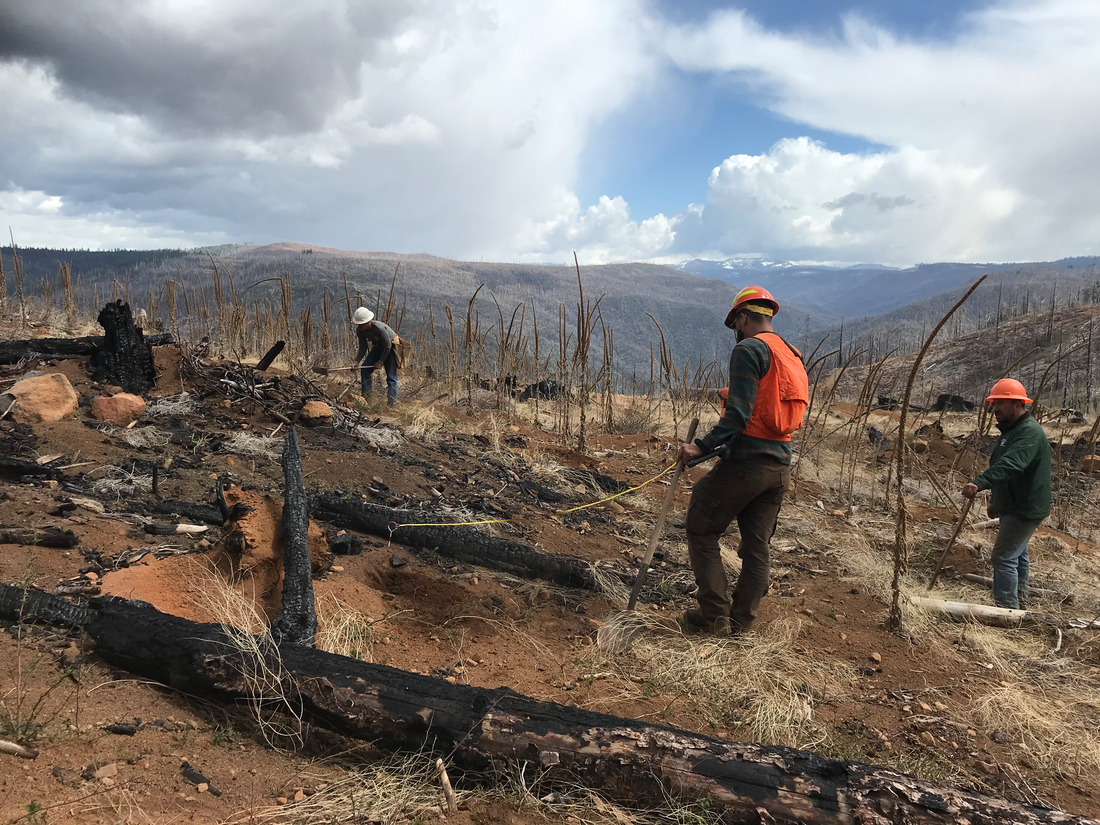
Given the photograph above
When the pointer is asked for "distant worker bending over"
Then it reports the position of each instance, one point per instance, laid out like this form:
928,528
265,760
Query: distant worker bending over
768,394
378,338
1019,478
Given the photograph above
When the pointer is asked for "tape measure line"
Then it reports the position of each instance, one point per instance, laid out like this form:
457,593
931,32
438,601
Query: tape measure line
394,526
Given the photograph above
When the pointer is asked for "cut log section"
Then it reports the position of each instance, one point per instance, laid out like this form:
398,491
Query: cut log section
45,349
625,759
44,537
461,543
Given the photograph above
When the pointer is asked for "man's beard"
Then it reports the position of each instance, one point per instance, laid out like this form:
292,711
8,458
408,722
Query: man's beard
738,335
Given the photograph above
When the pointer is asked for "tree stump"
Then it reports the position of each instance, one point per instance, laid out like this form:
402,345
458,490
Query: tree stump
125,357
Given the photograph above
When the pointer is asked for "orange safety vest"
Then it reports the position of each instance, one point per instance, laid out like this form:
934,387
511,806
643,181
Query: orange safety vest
783,393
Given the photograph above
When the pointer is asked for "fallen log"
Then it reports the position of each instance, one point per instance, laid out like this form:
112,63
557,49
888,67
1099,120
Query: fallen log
984,614
477,729
14,469
192,512
461,543
1065,598
296,623
45,349
43,537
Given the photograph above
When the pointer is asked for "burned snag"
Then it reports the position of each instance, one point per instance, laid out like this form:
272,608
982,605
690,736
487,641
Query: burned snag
296,623
124,358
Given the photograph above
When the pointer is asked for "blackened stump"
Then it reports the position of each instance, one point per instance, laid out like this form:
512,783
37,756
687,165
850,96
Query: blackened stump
296,623
125,357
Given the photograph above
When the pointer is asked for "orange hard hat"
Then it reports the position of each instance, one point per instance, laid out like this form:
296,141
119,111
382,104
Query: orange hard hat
754,298
1008,389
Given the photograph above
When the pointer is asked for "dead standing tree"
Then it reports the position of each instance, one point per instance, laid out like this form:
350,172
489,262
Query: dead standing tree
901,554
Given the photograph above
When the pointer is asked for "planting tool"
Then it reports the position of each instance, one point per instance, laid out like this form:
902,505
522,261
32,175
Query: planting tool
330,370
659,526
958,529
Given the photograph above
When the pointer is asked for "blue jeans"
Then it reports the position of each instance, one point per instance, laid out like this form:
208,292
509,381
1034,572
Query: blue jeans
1011,564
390,365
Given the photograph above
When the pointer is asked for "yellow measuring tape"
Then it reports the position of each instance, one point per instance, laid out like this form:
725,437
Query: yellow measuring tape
393,525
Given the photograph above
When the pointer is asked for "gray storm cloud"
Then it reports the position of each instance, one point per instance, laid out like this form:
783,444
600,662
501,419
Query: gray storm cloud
258,69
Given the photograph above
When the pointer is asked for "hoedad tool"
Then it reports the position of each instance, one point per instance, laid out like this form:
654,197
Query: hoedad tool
958,529
659,526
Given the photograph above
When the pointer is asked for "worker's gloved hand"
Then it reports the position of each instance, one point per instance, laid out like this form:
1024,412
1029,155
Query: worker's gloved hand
687,452
969,490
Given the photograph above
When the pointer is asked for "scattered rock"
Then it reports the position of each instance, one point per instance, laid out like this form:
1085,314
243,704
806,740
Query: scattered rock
1090,464
397,561
989,768
203,787
315,414
43,398
107,771
920,446
927,738
876,658
346,544
121,409
299,795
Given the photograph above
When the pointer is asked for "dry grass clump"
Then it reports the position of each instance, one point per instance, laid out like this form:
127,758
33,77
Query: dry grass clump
175,405
426,425
271,694
253,446
757,681
118,482
1062,736
138,437
610,585
384,437
345,631
395,790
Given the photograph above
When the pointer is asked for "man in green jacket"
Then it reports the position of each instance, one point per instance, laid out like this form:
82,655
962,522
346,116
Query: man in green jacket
1019,478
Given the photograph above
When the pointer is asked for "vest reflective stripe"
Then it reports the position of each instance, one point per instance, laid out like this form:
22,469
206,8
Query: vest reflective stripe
783,393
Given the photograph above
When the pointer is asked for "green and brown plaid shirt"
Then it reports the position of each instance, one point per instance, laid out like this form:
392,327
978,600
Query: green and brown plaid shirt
749,362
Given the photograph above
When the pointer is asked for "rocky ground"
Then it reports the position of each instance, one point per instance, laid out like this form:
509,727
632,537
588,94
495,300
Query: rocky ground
1009,712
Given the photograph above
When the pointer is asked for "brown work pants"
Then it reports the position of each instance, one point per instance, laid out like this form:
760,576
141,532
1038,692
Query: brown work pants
750,490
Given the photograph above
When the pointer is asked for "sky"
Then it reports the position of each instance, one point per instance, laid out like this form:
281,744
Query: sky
860,131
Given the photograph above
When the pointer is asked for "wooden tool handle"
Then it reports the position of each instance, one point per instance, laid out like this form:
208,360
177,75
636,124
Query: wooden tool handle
659,526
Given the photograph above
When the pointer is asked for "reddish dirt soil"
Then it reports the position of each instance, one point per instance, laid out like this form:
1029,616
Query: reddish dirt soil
430,615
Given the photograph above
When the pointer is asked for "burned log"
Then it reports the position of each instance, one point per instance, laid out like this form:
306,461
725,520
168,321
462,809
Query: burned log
39,537
296,623
204,513
59,349
459,543
477,729
124,358
14,469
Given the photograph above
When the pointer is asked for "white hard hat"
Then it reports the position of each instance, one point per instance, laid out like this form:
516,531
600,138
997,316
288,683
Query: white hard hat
362,315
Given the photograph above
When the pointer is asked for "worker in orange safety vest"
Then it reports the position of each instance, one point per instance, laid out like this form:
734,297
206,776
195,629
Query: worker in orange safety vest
766,401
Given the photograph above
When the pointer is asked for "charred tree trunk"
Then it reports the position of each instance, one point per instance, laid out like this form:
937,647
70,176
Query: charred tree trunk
125,357
625,759
45,537
459,543
270,356
296,623
14,469
204,513
12,352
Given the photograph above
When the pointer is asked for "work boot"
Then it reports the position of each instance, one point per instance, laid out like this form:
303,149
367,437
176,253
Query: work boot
695,622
